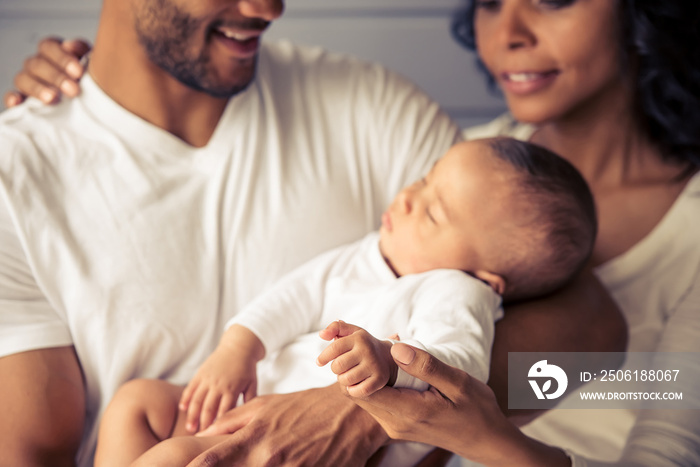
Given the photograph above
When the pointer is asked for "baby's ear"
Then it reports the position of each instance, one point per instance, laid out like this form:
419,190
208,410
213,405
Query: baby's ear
497,283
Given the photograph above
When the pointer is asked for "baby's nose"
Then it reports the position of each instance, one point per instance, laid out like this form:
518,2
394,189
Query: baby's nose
405,201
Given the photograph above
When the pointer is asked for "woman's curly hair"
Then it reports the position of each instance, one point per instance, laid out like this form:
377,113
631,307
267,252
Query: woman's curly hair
661,42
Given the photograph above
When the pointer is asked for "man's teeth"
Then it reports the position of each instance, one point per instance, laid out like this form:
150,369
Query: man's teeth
237,36
522,77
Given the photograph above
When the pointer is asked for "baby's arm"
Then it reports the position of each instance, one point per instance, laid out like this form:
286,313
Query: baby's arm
290,308
228,372
362,362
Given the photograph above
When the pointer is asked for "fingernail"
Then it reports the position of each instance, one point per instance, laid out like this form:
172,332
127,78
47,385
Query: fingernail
69,88
12,101
74,70
403,354
47,96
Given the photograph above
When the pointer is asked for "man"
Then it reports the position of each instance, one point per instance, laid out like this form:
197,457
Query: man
193,171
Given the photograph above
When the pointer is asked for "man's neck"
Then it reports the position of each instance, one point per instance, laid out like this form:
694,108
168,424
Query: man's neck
123,71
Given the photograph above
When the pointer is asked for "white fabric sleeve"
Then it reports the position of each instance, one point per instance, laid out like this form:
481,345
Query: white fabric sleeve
403,379
454,320
27,320
668,437
292,307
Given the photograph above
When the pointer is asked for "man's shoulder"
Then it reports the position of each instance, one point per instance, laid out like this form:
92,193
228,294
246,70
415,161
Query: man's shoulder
289,54
34,139
25,117
324,70
21,126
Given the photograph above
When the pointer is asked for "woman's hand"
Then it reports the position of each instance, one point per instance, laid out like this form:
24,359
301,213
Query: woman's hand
457,413
54,70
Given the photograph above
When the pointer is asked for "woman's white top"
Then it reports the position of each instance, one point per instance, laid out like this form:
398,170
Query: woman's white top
656,283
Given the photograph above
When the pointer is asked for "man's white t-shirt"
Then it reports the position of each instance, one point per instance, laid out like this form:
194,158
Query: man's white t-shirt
656,284
118,238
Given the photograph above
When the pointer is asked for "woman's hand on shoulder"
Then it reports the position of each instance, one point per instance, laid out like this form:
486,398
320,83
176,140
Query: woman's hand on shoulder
54,71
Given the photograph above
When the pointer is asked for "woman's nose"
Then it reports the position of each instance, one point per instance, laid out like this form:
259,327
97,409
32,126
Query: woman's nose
515,28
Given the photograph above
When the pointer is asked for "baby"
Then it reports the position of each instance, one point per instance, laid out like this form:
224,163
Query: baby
494,220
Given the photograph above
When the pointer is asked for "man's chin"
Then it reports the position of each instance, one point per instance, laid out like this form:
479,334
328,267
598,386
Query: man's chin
217,82
219,91
237,86
227,92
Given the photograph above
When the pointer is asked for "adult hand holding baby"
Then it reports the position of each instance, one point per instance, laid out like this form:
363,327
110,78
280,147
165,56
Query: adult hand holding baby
458,413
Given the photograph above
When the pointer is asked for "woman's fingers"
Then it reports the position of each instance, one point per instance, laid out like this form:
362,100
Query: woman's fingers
55,70
419,363
78,48
64,56
13,98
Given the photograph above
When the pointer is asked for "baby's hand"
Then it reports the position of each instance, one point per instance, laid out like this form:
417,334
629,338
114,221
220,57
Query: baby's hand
215,388
362,362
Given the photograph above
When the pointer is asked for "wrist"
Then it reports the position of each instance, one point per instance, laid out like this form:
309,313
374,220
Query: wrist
365,427
513,447
242,342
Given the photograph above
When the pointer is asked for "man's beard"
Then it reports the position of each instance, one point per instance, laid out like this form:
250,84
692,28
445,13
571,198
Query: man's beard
164,30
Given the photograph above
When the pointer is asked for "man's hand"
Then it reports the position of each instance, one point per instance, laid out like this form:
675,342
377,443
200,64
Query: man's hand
55,69
362,362
319,427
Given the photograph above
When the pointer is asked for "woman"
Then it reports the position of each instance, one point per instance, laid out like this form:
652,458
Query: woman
613,87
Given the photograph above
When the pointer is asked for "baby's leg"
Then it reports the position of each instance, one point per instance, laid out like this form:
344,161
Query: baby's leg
141,414
180,450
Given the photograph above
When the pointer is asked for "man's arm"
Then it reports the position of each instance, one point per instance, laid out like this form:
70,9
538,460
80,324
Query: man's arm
284,429
42,402
579,318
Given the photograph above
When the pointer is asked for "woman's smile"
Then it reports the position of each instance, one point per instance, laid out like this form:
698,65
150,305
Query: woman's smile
527,82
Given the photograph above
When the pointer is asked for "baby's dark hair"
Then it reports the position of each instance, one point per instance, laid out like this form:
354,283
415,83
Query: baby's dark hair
560,220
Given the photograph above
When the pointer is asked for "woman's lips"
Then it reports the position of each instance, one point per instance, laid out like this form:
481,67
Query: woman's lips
526,82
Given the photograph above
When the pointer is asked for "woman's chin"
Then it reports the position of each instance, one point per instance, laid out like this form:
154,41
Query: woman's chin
532,111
